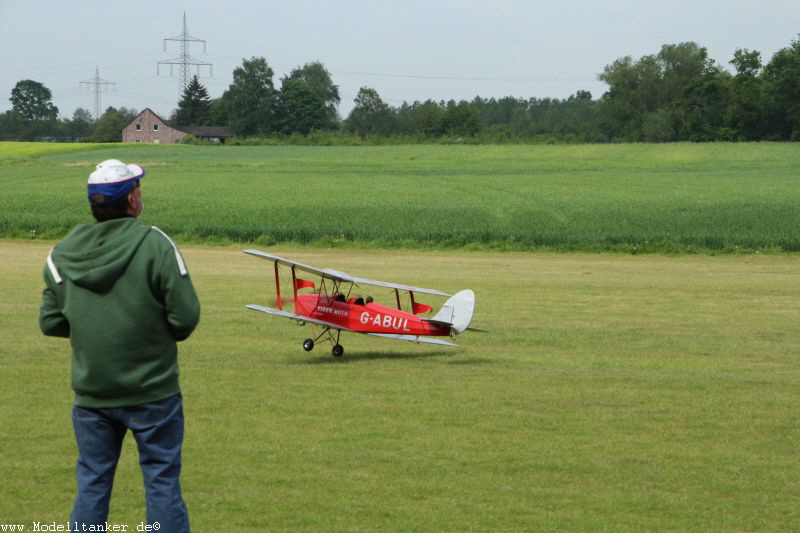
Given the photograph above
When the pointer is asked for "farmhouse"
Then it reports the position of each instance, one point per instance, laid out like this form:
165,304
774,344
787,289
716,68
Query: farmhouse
148,127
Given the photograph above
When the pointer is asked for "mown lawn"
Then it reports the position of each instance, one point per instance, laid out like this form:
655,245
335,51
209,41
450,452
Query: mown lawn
614,392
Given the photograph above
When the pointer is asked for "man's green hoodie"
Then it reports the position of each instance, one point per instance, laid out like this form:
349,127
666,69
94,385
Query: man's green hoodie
121,292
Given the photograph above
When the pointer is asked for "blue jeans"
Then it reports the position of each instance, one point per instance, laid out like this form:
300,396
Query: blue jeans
158,430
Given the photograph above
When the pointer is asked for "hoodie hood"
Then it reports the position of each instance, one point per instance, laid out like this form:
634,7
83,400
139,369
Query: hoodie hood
94,256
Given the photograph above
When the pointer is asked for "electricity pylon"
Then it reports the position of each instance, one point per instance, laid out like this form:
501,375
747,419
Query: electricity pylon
98,82
185,60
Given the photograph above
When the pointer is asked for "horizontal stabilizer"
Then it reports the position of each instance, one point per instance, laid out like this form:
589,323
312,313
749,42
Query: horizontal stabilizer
413,338
478,330
437,322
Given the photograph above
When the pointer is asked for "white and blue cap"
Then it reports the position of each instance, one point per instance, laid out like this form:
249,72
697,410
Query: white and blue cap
113,179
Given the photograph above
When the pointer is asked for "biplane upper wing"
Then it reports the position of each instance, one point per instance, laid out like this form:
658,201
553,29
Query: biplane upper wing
420,290
343,276
287,262
293,316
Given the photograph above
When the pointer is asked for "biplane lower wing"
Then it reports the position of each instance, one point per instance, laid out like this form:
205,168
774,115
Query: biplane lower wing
303,318
293,316
413,338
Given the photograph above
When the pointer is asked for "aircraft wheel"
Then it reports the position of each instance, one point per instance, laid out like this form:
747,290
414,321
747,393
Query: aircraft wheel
337,350
308,345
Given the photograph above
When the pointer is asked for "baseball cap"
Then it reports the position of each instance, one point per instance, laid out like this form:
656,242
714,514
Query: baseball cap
112,179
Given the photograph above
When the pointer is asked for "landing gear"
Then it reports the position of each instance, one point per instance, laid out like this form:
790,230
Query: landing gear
337,351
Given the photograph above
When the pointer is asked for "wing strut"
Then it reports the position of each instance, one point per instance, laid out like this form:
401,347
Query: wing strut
294,287
278,286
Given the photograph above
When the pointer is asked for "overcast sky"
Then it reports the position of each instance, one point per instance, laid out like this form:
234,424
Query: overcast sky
407,50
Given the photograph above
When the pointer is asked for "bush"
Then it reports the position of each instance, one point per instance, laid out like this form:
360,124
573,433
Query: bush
191,139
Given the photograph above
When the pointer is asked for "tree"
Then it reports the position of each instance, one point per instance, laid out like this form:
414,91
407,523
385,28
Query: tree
747,62
109,127
217,113
33,101
81,125
642,93
300,108
371,115
746,105
630,96
500,112
12,127
427,118
316,77
405,118
782,88
461,119
681,65
574,119
703,107
128,113
195,105
249,102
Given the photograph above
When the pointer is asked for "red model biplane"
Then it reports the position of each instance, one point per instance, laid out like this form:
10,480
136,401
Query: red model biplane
332,307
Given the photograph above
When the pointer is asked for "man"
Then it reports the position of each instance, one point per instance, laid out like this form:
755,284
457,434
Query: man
120,291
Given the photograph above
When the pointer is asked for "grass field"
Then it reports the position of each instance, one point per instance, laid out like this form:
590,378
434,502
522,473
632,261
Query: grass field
614,392
633,198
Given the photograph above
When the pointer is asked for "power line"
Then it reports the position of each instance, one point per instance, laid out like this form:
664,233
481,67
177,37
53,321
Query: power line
97,82
146,98
57,68
185,60
436,77
460,78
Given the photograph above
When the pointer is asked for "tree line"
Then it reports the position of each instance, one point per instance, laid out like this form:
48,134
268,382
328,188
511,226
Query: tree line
676,94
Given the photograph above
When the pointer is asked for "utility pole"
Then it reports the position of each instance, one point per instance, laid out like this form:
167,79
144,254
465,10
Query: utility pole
185,60
97,82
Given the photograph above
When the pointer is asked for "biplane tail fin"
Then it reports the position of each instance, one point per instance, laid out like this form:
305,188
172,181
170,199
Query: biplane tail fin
457,311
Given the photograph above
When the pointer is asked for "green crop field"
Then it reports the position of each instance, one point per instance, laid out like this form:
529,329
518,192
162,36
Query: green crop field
651,198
